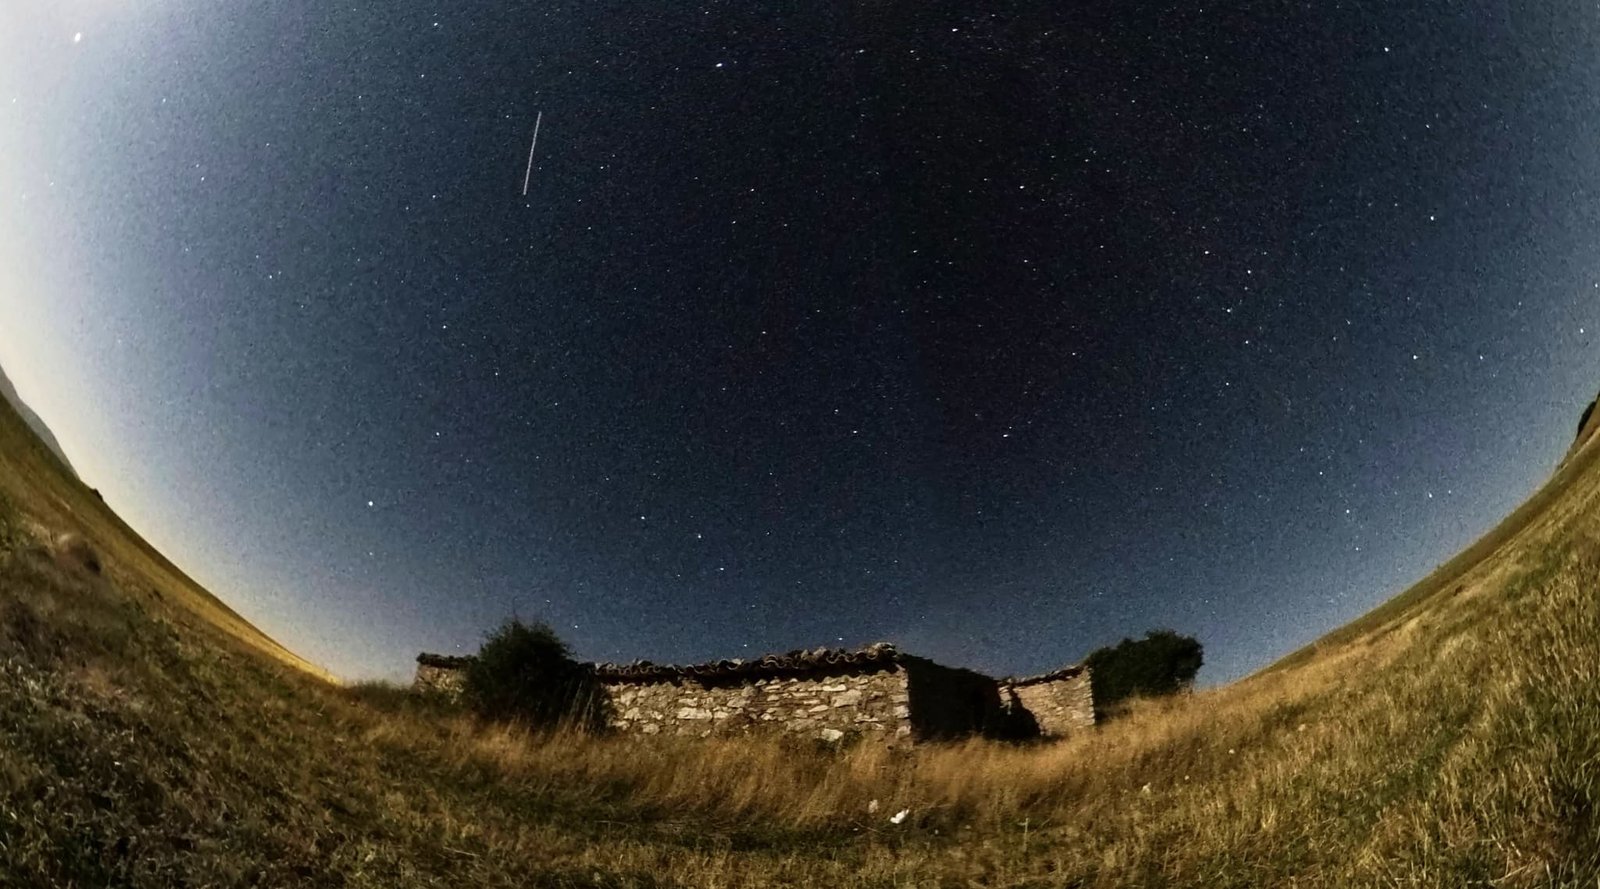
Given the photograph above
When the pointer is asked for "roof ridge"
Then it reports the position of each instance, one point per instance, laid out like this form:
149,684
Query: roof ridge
799,658
878,654
1066,672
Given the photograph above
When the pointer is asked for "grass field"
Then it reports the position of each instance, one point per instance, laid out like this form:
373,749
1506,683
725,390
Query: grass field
150,737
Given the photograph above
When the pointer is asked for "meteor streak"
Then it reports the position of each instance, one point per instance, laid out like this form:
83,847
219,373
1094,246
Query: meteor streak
529,175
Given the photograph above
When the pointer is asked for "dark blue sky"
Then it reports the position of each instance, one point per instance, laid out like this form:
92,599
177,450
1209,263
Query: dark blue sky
999,336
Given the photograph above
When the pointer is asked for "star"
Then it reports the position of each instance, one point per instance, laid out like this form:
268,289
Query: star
668,366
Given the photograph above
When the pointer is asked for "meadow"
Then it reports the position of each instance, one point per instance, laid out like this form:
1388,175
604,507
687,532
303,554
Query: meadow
150,737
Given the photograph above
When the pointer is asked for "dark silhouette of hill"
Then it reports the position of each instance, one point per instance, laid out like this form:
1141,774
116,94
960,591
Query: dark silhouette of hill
9,392
1587,424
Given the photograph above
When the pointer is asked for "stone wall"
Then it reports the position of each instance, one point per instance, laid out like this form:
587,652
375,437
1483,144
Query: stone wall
824,694
823,707
1060,706
439,679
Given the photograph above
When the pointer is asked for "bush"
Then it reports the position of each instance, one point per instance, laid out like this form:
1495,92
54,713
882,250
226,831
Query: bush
1162,663
524,673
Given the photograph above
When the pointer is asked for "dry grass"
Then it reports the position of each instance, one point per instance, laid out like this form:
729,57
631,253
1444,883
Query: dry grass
1453,741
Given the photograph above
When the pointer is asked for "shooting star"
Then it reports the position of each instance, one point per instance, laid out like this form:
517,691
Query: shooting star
529,175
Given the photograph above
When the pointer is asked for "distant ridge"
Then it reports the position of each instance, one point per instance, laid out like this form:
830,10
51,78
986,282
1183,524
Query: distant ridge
1587,424
9,392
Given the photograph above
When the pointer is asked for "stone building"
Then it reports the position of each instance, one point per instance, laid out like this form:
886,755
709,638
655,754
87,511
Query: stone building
877,691
1060,702
440,673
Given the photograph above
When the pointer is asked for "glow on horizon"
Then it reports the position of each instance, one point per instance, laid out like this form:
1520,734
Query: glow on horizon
92,334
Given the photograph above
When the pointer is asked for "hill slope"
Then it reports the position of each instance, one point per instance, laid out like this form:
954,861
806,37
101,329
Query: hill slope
33,421
1587,425
1448,739
50,502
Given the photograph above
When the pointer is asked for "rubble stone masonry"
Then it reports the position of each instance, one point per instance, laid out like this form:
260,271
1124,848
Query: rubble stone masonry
1061,705
824,707
438,674
824,694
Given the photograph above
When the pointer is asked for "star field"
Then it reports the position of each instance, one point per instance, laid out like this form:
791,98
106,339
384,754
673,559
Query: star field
997,335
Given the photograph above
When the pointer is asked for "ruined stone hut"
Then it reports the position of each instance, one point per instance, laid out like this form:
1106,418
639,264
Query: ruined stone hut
876,691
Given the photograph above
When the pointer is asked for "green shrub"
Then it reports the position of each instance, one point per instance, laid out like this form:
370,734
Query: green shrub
1161,663
525,673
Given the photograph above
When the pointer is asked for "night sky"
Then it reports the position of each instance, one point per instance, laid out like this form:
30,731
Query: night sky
999,336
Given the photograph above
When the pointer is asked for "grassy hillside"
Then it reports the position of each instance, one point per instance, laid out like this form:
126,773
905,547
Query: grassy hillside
50,501
1450,739
9,395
